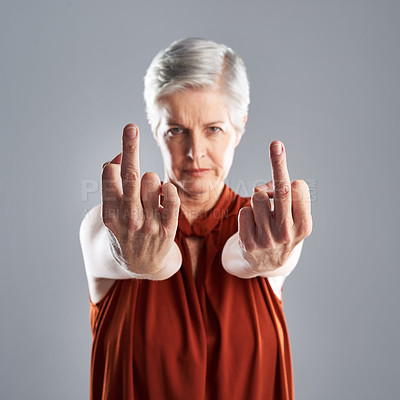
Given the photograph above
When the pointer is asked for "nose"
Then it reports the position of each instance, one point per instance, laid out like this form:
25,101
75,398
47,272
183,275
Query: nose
196,147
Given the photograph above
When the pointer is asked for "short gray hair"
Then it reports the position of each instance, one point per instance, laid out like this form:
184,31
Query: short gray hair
197,63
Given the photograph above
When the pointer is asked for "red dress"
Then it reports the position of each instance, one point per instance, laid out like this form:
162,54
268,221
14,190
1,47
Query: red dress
216,337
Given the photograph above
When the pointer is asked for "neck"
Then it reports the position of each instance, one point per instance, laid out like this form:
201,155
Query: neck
195,204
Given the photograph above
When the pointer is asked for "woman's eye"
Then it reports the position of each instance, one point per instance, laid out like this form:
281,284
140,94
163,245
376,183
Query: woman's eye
176,131
214,129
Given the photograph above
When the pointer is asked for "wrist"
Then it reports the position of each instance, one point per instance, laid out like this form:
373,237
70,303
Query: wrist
158,271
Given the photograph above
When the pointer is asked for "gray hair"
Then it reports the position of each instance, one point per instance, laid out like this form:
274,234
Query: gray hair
197,63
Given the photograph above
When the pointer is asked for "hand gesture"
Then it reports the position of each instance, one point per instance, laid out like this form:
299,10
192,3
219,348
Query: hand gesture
141,231
269,232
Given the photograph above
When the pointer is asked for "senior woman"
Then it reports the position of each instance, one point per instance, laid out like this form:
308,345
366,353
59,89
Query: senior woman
185,277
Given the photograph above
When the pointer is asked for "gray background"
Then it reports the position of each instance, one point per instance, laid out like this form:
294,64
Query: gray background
324,79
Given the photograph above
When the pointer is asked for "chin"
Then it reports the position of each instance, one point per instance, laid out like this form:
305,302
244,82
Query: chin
199,185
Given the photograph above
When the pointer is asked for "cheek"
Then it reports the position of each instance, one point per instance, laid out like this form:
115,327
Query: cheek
172,155
225,157
166,155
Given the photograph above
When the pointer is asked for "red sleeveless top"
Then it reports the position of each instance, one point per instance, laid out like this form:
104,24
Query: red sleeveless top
210,338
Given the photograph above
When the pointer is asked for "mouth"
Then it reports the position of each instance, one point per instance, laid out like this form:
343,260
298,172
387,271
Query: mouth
197,171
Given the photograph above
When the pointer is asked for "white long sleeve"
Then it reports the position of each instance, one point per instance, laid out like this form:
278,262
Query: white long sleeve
234,263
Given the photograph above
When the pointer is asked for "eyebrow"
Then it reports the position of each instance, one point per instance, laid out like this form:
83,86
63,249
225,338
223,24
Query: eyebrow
173,123
215,123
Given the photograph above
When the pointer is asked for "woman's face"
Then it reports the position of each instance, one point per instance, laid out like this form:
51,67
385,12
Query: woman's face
197,140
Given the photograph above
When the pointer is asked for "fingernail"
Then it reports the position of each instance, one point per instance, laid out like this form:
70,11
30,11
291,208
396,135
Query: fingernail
277,149
130,132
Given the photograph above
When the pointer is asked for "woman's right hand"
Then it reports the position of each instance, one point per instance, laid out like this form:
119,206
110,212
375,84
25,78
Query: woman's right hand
141,231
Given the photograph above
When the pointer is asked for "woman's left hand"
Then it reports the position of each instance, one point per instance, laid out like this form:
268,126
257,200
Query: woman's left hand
269,232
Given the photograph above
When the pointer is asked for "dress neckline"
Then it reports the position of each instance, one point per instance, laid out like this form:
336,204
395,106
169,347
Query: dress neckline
209,220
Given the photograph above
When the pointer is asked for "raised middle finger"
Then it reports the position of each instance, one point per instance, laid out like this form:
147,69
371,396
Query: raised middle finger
130,171
281,180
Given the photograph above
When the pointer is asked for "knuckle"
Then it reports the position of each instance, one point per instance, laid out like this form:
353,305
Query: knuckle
245,210
168,186
170,192
261,187
132,224
300,183
246,214
260,196
283,189
151,176
105,165
151,228
304,184
300,187
130,176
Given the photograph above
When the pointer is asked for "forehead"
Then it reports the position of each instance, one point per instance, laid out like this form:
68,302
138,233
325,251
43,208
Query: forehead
194,106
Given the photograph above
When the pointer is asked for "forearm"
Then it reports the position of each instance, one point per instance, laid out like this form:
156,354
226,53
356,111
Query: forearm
235,264
101,262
